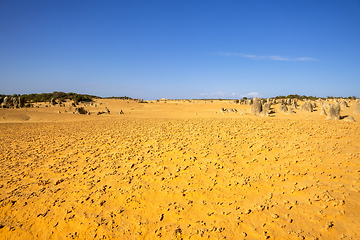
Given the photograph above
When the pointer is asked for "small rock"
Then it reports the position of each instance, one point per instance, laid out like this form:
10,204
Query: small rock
247,211
349,119
329,225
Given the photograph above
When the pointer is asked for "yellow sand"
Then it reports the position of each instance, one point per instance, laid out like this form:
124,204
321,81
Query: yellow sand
177,170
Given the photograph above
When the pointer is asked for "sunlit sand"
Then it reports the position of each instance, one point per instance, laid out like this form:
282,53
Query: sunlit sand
178,169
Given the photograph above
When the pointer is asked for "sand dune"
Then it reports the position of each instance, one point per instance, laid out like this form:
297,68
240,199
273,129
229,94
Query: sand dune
177,170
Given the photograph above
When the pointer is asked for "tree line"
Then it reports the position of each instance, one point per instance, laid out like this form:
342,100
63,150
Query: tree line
59,96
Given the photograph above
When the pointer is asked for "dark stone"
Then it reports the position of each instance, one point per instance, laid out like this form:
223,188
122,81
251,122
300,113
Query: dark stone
21,102
81,110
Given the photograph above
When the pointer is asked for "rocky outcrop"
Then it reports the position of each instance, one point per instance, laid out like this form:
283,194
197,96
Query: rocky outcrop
357,107
349,119
343,103
266,107
81,110
333,112
256,107
14,102
290,111
264,113
6,102
307,107
21,102
107,111
283,108
322,111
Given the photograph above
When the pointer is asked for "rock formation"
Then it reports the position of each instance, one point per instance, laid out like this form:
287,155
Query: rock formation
290,111
322,111
107,111
21,102
266,107
357,107
256,108
333,112
283,108
264,113
14,102
6,101
320,102
350,119
343,103
306,107
337,107
81,110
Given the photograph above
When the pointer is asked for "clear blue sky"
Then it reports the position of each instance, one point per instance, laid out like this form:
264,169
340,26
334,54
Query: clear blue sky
181,49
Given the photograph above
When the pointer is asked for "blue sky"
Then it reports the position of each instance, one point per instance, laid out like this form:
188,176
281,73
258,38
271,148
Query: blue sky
181,49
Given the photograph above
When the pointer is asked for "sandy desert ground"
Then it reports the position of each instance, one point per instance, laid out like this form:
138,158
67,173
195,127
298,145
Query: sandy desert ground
178,170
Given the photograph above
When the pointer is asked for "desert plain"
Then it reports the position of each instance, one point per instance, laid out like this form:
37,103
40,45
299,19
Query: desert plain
178,169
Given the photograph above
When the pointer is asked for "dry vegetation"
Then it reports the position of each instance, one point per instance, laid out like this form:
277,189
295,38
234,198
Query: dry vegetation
177,170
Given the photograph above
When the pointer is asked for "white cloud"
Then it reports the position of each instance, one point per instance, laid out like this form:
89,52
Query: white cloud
306,59
264,57
279,58
251,95
218,94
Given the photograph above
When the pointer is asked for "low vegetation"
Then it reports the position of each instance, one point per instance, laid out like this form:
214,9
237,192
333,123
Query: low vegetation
302,97
60,97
